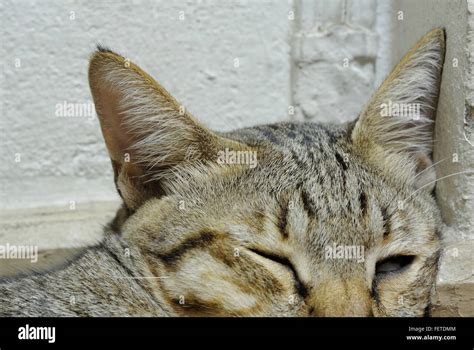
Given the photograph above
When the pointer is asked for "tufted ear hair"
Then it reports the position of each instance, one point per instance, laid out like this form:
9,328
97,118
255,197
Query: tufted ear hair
396,127
148,134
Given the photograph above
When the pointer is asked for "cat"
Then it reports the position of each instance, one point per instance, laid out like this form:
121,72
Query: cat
287,219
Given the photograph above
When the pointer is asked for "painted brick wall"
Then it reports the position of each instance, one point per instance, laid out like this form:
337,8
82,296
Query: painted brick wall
334,55
227,61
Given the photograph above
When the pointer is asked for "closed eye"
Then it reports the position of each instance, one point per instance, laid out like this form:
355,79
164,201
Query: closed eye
393,264
299,285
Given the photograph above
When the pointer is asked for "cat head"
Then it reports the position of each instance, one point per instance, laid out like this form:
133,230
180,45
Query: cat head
279,220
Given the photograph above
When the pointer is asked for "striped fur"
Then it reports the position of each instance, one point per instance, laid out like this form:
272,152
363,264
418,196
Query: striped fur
196,237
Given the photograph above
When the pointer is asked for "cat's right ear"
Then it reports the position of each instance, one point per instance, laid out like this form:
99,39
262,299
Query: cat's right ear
148,134
395,129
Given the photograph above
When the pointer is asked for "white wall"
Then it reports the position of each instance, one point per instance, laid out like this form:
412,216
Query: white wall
335,47
63,159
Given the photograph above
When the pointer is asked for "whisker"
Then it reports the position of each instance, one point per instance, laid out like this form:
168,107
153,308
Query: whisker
419,189
466,139
432,165
441,178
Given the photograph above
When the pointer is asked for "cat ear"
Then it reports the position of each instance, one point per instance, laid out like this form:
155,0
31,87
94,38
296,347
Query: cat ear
396,127
147,132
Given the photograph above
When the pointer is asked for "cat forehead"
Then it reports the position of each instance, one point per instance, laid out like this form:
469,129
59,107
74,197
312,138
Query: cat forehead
309,163
303,151
313,158
288,135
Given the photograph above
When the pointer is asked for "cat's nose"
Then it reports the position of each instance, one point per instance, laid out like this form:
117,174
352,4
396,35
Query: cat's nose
340,297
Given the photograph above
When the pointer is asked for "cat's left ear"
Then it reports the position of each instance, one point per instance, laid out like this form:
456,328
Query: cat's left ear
395,129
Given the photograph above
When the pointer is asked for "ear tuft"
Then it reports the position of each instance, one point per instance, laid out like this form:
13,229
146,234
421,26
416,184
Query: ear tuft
102,48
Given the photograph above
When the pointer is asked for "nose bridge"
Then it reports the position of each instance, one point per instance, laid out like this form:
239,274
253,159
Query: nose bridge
339,296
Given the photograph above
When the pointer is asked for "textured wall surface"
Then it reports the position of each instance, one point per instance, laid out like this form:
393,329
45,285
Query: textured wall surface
334,57
227,61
